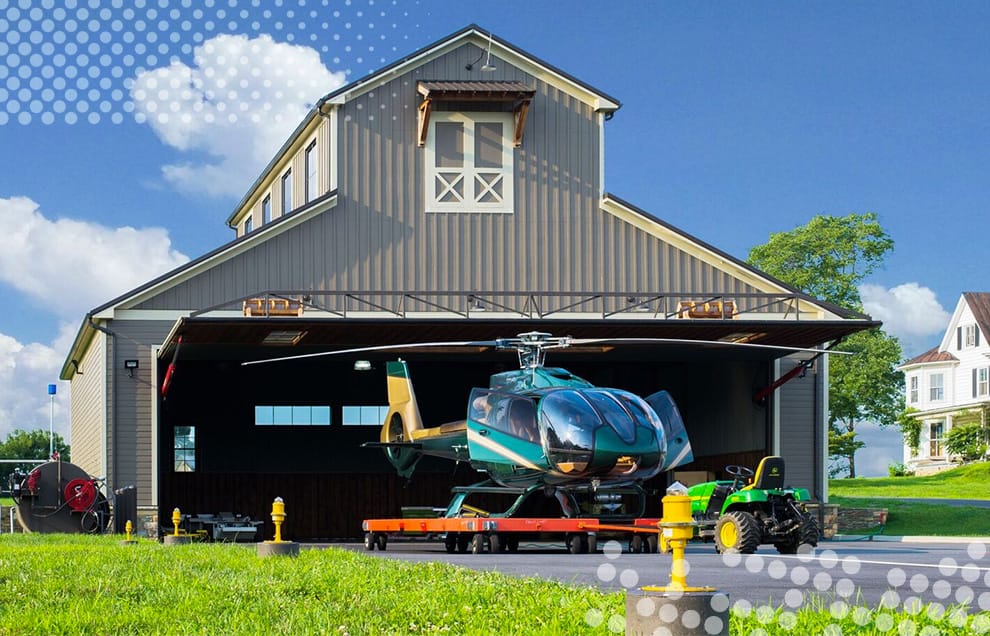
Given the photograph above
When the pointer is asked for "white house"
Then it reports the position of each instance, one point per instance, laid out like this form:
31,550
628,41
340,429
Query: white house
949,385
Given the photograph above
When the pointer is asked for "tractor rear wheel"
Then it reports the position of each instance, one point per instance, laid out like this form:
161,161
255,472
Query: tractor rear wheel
737,531
806,535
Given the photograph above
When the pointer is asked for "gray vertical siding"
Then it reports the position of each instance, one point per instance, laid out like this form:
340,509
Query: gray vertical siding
134,340
86,409
379,236
798,427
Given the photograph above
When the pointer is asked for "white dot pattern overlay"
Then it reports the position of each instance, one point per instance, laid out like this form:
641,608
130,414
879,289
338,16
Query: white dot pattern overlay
74,61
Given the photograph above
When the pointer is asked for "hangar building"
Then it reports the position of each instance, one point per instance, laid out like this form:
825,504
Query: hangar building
456,194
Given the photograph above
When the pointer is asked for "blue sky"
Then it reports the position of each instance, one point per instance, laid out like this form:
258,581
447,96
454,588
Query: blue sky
738,120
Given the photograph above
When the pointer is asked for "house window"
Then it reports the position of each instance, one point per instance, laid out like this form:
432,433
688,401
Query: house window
981,384
936,387
913,389
266,210
469,162
185,449
364,415
936,433
287,191
311,179
286,415
970,338
248,224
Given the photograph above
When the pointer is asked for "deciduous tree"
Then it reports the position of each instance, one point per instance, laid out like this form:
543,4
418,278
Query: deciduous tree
828,258
28,445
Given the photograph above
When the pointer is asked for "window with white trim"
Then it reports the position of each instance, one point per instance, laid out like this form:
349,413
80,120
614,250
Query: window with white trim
936,387
969,336
936,434
982,382
248,224
287,415
311,174
913,392
364,415
266,210
287,191
469,162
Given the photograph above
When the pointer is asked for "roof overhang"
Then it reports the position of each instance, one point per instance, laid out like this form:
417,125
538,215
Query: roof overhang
517,95
243,338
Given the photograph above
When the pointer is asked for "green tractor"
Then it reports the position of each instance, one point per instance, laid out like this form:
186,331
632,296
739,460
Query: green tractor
742,514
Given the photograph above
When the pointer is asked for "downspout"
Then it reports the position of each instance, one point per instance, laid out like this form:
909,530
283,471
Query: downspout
113,397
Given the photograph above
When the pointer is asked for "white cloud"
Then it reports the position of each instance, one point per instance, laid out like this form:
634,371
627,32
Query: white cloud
238,104
69,266
26,370
910,312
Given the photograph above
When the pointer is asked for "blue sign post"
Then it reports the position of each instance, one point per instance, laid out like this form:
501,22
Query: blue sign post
51,421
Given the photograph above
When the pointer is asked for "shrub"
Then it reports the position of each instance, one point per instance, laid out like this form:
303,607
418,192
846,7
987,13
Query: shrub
899,470
967,440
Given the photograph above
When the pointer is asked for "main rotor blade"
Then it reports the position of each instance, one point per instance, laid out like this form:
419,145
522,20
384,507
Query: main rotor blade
688,341
414,345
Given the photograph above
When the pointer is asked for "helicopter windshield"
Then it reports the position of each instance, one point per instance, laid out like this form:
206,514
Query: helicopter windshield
570,422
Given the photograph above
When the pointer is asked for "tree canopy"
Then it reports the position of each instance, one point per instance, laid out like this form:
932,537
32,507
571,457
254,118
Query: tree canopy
828,258
28,445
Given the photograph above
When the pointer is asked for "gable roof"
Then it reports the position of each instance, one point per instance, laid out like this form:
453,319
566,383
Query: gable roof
979,304
932,355
472,34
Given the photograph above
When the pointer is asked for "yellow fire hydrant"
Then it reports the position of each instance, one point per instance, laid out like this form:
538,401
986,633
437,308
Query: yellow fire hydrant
677,528
127,530
278,516
176,520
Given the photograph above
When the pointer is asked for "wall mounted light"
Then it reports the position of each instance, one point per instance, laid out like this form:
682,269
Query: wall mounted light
487,67
130,365
362,365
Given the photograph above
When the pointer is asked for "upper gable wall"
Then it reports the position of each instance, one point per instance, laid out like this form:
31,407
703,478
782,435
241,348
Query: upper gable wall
379,237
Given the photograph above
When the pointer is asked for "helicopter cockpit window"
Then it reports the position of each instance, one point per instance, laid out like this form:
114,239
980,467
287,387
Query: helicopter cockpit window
570,423
505,412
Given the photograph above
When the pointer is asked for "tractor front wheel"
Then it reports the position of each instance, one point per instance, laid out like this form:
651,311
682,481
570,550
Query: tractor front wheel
737,531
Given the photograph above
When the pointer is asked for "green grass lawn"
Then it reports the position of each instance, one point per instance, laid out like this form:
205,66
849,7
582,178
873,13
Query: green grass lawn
965,482
62,584
905,518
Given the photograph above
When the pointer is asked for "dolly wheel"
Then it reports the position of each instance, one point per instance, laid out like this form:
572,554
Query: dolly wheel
737,531
574,544
495,544
652,544
369,541
463,542
512,543
381,541
636,544
478,543
450,542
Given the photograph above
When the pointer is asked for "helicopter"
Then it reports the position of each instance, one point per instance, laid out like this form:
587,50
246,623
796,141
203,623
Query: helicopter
537,427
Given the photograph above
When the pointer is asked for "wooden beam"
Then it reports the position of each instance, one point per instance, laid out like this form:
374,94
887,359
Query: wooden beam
520,115
424,120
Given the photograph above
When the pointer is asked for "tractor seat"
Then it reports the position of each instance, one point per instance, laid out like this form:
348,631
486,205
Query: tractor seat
769,474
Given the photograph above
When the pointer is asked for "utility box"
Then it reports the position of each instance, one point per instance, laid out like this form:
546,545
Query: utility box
124,509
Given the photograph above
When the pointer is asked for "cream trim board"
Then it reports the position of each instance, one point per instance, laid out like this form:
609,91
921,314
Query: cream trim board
154,425
688,246
775,400
500,52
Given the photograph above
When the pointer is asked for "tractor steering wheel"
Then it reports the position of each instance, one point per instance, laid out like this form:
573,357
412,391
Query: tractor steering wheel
738,474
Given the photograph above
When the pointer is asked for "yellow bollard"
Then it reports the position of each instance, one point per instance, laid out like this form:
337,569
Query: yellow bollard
127,530
177,538
278,516
650,608
278,547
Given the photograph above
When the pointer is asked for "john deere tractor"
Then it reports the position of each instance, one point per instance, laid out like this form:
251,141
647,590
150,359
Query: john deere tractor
750,510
